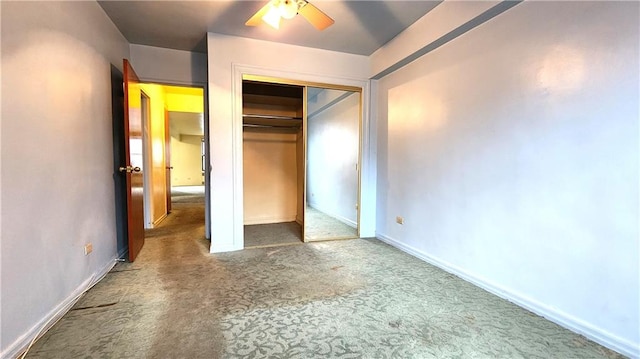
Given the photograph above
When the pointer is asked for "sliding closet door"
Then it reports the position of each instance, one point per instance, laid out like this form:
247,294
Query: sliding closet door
302,165
332,154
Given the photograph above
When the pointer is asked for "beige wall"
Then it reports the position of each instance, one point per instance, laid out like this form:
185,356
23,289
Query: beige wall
270,177
186,160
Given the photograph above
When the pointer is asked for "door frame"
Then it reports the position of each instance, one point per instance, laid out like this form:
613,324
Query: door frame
366,181
145,103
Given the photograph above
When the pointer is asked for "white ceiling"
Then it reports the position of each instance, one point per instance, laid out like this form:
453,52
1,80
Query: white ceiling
361,27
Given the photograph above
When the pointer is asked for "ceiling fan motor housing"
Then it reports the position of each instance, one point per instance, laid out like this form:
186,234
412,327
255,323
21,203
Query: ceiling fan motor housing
288,8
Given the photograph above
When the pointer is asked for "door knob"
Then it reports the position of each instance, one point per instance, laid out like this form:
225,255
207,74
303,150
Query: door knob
129,169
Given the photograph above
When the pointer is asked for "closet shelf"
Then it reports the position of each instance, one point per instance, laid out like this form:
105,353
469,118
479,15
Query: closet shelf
274,117
271,121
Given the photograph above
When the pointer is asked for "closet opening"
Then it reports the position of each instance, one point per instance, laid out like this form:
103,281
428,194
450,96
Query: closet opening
273,164
301,161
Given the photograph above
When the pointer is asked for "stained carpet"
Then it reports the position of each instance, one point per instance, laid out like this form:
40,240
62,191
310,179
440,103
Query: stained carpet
348,299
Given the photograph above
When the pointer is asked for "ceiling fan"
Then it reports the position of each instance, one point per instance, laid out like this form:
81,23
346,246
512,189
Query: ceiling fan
288,9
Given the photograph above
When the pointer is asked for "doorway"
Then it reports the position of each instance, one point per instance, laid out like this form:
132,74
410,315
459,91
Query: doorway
173,150
180,169
301,161
174,137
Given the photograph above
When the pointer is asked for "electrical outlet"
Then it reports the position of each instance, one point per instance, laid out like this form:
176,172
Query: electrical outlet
88,248
399,220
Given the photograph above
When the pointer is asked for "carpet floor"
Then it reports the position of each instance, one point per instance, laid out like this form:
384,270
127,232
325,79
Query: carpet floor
273,234
187,194
339,299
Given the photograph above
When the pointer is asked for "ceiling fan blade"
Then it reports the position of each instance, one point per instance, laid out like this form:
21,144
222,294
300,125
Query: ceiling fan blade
256,19
316,17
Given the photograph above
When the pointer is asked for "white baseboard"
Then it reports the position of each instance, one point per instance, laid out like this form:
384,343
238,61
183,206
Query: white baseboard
223,249
565,320
22,343
340,218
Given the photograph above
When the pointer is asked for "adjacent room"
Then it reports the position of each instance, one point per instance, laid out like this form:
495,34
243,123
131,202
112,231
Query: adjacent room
320,179
186,150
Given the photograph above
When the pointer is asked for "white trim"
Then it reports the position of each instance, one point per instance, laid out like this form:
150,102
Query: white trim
223,249
565,320
40,328
238,70
368,165
298,76
237,160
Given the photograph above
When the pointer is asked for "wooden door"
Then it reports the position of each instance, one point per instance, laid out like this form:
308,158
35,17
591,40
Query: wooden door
132,169
167,158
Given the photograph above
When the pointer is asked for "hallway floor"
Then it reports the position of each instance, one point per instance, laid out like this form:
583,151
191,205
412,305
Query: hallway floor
352,298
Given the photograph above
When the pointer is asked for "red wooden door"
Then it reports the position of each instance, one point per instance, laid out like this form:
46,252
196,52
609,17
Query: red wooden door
134,160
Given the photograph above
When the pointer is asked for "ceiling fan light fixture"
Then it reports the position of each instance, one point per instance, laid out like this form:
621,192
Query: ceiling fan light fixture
288,8
276,10
272,17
